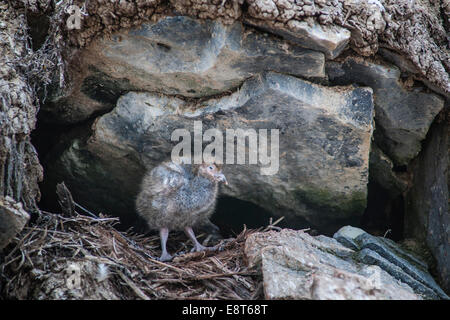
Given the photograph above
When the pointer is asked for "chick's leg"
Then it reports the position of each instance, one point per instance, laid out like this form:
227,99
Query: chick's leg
197,245
164,234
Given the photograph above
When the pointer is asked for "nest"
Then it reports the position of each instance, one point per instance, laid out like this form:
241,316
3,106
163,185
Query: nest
77,256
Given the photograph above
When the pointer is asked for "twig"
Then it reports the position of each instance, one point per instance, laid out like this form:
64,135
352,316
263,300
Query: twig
218,275
86,210
273,225
167,265
130,283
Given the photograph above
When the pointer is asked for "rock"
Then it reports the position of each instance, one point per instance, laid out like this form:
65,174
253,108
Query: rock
296,265
347,235
381,171
324,142
329,39
403,117
373,258
396,261
427,216
12,220
406,65
400,61
178,56
421,38
84,98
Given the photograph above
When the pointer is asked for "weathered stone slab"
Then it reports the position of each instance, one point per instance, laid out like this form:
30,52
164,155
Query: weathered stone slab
12,220
324,142
403,116
400,61
347,236
373,258
406,65
296,265
386,254
329,39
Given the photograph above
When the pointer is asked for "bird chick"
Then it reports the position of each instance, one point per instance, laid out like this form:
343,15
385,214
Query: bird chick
178,197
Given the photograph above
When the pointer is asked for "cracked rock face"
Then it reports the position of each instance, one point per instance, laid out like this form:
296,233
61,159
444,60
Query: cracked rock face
324,142
178,56
427,212
396,261
403,116
381,170
296,265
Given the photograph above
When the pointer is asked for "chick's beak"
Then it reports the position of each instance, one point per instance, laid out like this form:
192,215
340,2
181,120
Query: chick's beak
220,177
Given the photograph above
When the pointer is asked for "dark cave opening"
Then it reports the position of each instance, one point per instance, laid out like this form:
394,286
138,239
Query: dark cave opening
384,214
232,214
50,139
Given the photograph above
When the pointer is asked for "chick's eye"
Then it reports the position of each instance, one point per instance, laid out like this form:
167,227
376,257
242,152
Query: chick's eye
210,168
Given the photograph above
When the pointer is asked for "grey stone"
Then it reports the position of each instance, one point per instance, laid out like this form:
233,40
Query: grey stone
414,259
348,242
373,258
329,39
180,56
296,265
406,266
324,144
347,236
403,117
396,261
93,92
12,219
381,171
427,215
407,66
400,61
359,239
349,232
436,88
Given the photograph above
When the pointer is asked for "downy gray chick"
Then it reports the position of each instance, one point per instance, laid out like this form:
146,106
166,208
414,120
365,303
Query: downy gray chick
178,197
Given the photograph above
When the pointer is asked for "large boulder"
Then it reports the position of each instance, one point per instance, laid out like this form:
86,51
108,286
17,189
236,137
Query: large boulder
175,56
324,143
